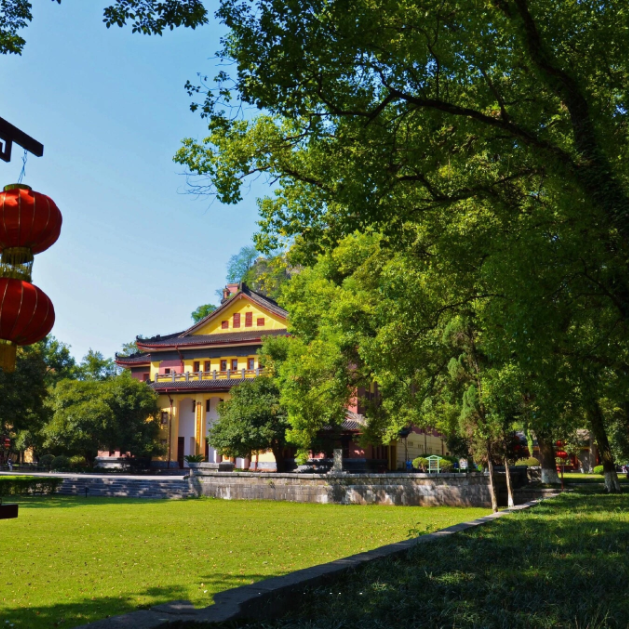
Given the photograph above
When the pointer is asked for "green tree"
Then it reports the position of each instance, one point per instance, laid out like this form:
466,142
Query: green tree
240,263
60,363
92,415
95,366
128,349
149,17
485,143
252,419
202,311
23,394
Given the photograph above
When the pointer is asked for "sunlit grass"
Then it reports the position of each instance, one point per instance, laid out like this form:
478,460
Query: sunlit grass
69,560
562,564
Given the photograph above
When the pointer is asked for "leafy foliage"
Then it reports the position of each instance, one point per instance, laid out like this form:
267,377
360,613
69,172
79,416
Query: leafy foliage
95,366
252,419
28,485
115,414
149,17
202,311
482,152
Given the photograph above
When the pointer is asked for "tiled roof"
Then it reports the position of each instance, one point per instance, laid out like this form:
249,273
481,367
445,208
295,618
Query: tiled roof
353,421
262,301
265,302
179,340
196,385
137,359
188,338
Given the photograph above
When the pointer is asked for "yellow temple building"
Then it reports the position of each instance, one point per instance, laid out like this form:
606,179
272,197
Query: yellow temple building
193,371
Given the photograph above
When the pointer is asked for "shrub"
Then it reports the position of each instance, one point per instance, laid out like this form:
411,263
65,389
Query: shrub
60,463
79,463
23,485
530,462
598,470
194,458
420,463
46,461
445,465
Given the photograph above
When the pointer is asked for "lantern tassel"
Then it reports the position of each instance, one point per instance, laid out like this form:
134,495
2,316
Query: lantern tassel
8,352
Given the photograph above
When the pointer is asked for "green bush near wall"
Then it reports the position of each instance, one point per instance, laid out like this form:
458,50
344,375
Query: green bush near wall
28,485
599,470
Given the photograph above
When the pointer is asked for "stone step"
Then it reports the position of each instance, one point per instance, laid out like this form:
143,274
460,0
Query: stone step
130,488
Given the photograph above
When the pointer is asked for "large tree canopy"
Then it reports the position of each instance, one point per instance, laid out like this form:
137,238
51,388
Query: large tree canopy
115,414
486,142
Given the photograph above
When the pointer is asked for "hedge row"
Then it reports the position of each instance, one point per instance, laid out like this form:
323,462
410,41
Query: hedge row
28,485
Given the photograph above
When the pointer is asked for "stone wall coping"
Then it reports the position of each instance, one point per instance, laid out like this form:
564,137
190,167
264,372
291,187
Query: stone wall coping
270,598
292,475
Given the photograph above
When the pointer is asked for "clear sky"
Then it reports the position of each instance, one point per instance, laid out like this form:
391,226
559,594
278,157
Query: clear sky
137,254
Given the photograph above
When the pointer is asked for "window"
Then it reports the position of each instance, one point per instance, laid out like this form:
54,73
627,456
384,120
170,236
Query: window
194,405
145,376
236,322
206,365
207,406
225,325
248,319
196,366
223,365
164,418
234,364
260,320
251,363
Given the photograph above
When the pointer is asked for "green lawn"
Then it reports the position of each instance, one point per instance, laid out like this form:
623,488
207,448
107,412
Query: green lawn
577,477
562,564
66,560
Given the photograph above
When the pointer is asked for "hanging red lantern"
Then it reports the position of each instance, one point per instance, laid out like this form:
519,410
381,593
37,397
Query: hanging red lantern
561,454
26,317
30,222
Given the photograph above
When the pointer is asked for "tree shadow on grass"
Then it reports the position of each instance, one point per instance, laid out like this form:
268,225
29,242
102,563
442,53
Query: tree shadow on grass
72,614
88,609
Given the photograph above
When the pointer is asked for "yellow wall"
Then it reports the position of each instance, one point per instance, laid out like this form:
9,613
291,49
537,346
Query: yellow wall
242,305
418,445
200,420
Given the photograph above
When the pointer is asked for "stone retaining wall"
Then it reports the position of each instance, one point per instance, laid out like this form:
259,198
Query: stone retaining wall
470,490
126,487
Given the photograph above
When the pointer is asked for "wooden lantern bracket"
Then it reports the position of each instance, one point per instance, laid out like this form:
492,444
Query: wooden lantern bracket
10,134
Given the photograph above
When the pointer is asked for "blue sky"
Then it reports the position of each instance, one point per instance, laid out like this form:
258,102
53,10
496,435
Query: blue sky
136,254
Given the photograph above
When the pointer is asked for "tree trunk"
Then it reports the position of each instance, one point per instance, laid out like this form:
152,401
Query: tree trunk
492,485
278,453
547,456
595,415
510,502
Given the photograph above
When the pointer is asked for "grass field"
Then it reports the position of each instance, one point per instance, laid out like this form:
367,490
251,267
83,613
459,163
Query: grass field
561,565
67,560
577,477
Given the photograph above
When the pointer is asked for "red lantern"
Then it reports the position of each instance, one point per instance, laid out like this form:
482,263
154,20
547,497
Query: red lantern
26,316
30,222
559,443
561,454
